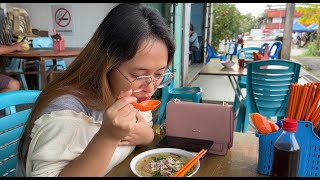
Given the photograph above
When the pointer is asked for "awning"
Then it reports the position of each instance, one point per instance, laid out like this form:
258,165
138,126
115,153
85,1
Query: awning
313,27
299,28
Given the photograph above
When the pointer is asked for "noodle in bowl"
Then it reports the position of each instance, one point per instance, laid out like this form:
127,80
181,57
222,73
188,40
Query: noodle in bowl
162,162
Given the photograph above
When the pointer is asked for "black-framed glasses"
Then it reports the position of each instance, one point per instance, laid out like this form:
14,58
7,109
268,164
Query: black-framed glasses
141,82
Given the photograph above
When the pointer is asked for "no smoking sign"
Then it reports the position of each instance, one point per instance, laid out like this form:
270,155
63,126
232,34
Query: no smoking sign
62,18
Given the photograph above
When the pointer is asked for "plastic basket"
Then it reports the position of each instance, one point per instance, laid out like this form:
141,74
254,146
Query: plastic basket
309,164
58,45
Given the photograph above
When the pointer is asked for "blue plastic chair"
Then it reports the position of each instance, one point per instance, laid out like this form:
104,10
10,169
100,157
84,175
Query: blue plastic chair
276,54
212,54
234,52
11,127
268,84
193,94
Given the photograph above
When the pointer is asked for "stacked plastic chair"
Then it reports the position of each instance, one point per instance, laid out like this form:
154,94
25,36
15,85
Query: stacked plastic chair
268,84
242,80
193,94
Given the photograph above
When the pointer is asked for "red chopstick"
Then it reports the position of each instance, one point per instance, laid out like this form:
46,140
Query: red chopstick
189,164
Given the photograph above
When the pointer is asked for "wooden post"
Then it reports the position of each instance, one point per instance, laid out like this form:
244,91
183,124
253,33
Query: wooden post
287,34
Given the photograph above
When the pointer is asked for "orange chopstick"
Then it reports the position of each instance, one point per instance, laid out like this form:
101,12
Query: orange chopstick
189,164
290,101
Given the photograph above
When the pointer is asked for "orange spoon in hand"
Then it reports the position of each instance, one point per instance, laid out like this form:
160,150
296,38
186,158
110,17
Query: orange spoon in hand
147,105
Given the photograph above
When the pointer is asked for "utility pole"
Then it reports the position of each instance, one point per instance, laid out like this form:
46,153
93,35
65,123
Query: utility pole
287,34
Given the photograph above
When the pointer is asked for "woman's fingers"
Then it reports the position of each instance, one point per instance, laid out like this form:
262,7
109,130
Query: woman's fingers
124,93
121,103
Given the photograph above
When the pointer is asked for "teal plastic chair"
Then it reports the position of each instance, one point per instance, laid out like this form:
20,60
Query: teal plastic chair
193,94
268,84
11,127
276,53
212,54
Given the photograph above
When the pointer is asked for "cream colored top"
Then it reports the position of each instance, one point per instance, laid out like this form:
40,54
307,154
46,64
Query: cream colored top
61,136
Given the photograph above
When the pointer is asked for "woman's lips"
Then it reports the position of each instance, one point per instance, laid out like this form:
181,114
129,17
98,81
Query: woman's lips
143,99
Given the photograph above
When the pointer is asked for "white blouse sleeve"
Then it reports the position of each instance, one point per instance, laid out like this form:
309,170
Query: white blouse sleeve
57,139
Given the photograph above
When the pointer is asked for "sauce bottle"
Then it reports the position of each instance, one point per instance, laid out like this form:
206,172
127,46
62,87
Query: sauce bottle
241,59
286,155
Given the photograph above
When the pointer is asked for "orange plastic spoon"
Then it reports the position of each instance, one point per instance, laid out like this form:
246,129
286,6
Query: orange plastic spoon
147,105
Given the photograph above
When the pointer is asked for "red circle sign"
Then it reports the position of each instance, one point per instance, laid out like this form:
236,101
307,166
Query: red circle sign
62,17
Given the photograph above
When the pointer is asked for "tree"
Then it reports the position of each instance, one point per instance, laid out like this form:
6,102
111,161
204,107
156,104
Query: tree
227,21
311,14
247,22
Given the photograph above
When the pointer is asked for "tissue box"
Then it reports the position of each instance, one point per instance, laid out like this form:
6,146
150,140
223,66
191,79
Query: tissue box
58,45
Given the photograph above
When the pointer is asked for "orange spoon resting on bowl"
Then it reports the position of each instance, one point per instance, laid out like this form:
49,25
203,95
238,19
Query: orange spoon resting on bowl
147,105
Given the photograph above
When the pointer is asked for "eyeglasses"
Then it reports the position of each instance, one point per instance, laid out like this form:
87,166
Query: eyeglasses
141,82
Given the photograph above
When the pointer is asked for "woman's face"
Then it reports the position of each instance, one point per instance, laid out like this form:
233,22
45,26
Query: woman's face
150,60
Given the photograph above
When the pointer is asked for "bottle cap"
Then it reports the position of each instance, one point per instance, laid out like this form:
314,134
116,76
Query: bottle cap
289,125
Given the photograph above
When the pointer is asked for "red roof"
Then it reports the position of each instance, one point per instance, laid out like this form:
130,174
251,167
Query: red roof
280,13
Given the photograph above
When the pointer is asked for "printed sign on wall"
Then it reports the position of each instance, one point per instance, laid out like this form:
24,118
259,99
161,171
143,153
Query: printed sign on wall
62,19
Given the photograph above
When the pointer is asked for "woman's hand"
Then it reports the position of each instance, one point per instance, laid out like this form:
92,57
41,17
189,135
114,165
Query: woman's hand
120,118
142,133
17,46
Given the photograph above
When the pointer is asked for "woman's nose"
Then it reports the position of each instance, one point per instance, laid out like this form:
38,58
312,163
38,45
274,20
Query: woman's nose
150,87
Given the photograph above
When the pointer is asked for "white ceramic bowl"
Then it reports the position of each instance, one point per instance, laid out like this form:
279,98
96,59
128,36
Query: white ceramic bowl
189,155
227,64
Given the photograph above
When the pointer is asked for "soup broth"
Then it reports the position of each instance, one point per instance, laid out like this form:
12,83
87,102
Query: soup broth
161,165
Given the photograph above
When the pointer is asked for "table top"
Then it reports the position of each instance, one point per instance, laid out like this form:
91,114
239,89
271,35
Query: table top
44,52
214,67
241,159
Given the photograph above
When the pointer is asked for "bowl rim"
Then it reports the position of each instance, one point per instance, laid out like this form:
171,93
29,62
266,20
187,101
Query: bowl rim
189,154
225,63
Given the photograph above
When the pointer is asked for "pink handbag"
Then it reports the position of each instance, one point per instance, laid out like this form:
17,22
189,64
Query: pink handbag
201,121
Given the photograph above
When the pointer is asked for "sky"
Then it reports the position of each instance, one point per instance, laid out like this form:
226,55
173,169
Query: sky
255,8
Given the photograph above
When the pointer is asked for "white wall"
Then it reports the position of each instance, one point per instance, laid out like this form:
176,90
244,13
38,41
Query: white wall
86,18
276,20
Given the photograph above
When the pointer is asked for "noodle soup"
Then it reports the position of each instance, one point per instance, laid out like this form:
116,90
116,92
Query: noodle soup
162,165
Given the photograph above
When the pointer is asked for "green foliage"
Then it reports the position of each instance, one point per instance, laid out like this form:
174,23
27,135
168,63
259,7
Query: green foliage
311,14
227,22
247,22
311,49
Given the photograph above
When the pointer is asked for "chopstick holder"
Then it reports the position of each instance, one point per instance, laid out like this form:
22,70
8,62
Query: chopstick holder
189,164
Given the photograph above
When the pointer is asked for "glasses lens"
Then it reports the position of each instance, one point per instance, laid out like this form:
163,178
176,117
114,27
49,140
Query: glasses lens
166,78
143,81
140,83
